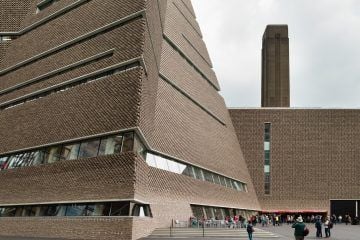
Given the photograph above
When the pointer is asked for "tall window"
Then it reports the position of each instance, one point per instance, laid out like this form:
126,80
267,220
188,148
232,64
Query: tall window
267,138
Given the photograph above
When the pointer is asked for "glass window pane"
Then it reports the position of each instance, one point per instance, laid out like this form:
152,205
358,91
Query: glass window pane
236,185
70,152
197,211
150,160
19,212
208,176
15,161
76,210
223,181
173,166
8,212
110,145
38,158
139,148
30,211
199,173
52,154
267,168
216,179
218,214
228,183
3,162
128,144
188,171
120,209
183,168
25,159
89,149
161,163
267,146
52,210
267,155
209,212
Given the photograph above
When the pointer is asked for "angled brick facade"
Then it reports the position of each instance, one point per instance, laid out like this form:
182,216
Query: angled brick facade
76,70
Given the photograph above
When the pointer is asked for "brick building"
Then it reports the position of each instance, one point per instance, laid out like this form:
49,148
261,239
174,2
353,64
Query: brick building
304,160
111,123
301,160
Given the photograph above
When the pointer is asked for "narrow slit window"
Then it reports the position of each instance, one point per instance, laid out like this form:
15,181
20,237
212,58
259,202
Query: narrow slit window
45,4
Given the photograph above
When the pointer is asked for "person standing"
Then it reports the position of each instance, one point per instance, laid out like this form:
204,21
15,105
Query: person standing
318,227
250,230
340,219
327,225
299,229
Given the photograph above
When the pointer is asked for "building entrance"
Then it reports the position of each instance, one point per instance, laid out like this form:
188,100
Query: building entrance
345,207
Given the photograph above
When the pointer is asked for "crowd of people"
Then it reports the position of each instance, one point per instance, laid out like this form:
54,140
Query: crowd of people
323,224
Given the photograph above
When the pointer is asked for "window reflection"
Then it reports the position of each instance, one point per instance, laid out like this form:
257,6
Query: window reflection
52,154
3,162
193,172
114,144
120,209
75,210
30,211
52,210
70,152
128,144
141,210
110,145
199,174
89,149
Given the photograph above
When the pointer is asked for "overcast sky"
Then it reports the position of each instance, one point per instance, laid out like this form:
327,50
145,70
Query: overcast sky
324,48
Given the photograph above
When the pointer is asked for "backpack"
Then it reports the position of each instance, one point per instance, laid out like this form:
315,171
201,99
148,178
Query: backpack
249,228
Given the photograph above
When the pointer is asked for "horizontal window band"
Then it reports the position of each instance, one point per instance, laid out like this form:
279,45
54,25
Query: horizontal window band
120,22
110,145
78,202
188,21
112,70
94,209
221,206
46,19
72,140
162,76
171,165
165,155
197,69
58,71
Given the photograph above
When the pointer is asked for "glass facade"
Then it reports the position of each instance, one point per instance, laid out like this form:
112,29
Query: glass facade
219,213
193,172
267,150
78,209
109,145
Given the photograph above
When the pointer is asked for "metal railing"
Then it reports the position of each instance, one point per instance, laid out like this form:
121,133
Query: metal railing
202,225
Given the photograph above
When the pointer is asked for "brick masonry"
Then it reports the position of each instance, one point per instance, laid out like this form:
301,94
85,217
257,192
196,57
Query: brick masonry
313,155
170,121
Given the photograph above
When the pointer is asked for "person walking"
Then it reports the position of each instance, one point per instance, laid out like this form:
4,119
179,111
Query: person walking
299,226
318,227
250,230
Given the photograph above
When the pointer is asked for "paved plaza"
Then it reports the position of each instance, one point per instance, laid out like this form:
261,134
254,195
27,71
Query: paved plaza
339,232
284,232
